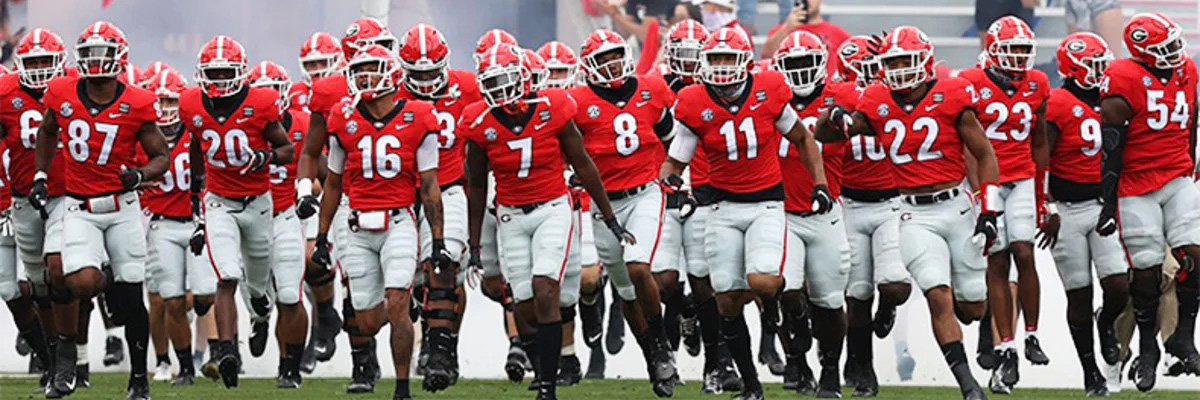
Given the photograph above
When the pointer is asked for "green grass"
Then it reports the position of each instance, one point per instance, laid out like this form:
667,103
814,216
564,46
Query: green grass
111,386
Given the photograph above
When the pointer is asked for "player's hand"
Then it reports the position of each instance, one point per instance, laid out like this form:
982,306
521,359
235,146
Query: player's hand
440,256
39,196
840,119
822,201
307,206
197,241
258,160
673,183
320,255
1107,224
1047,234
474,267
574,182
130,178
619,231
985,230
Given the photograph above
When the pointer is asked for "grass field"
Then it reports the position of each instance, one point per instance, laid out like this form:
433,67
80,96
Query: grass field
110,387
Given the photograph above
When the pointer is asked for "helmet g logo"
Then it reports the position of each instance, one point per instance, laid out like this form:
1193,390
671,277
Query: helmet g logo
1138,35
849,50
1076,46
351,30
922,37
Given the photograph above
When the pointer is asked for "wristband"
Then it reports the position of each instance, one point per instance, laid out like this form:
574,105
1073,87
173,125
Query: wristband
989,199
304,187
1052,208
40,176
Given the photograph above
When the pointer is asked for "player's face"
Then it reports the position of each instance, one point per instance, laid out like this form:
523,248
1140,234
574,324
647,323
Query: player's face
366,75
611,63
1018,55
220,74
314,66
722,59
559,74
424,76
37,62
168,103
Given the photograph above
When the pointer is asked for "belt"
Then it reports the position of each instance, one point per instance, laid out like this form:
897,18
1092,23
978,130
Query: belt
677,199
528,208
160,217
627,193
933,198
802,214
869,196
457,182
243,199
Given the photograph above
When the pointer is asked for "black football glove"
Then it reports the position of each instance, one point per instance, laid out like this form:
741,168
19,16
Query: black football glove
840,119
39,197
985,230
197,241
307,206
320,255
1107,224
822,201
440,256
474,267
258,160
619,231
673,183
130,178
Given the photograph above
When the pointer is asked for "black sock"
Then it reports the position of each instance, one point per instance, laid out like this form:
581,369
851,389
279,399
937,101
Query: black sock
36,337
770,316
324,307
186,366
657,329
956,358
1079,322
830,334
528,341
1144,293
673,306
737,337
160,358
986,343
549,343
137,324
858,345
401,389
710,325
292,353
1189,303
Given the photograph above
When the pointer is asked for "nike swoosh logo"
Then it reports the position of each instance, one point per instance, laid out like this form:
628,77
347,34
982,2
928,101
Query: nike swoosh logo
264,212
242,120
756,106
640,104
451,101
401,127
930,107
964,212
114,115
1027,94
539,126
834,222
130,201
895,208
595,337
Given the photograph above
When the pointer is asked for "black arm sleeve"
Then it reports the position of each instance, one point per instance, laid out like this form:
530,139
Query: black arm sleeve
665,125
1111,162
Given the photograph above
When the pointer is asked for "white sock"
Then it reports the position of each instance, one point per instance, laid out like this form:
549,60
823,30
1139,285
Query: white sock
81,354
1006,345
568,350
112,332
1030,334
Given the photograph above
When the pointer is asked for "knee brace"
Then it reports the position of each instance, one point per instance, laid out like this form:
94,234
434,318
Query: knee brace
200,307
61,295
432,294
566,314
348,322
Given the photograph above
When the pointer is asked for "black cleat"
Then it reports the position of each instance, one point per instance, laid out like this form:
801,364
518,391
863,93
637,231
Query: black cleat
885,320
1143,372
288,380
114,351
996,384
515,365
988,359
662,373
1094,384
438,370
184,380
23,348
767,355
690,329
569,371
852,373
750,394
1181,348
868,383
64,370
791,374
595,364
228,366
83,376
324,341
1034,353
1008,371
139,388
829,387
362,377
1110,348
711,383
308,361
614,339
548,394
36,366
806,382
258,336
974,393
728,376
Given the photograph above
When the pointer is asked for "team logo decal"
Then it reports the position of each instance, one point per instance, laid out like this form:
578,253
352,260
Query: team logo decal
352,127
123,108
849,50
247,111
17,103
544,115
505,218
1138,35
706,115
1076,46
828,101
882,110
760,95
922,37
351,30
489,134
645,95
1077,111
407,116
986,93
197,121
66,109
938,97
1147,81
297,136
593,111
905,216
1032,85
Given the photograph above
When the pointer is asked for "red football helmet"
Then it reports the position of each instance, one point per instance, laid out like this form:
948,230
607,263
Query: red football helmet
152,70
132,75
167,85
364,32
490,39
537,69
503,79
274,76
423,56
1155,40
372,72
39,57
1082,56
857,60
319,56
684,42
906,58
101,51
801,58
726,57
1010,45
606,58
561,64
221,68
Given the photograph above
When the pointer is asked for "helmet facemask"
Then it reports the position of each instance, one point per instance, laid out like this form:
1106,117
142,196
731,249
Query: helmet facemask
803,69
37,69
502,85
99,58
903,70
609,66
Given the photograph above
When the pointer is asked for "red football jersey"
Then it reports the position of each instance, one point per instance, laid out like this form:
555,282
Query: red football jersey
381,154
922,139
460,92
1076,153
698,168
298,97
98,139
1156,142
866,165
797,184
526,159
226,141
1008,116
327,92
283,177
739,140
168,196
618,130
21,112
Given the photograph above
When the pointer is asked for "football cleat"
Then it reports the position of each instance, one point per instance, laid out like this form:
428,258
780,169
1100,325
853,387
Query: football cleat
114,351
1034,353
569,371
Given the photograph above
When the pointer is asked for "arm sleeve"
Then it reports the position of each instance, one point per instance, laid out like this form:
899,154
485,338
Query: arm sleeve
665,127
683,147
336,157
427,154
787,120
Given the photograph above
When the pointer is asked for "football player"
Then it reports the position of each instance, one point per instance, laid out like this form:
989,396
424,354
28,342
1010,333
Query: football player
739,120
1148,126
872,206
524,136
320,56
236,130
173,270
102,121
1073,135
622,118
819,252
1012,97
910,110
288,252
386,148
39,57
325,93
562,65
